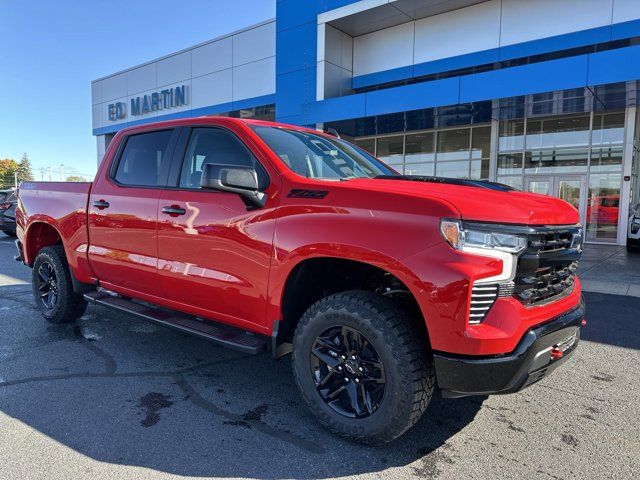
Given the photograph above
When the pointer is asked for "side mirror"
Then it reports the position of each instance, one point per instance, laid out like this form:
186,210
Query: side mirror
242,181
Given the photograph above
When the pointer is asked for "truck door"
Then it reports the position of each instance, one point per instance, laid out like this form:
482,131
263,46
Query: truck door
214,252
123,213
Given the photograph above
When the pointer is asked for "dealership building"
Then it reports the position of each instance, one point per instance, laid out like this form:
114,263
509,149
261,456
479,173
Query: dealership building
541,95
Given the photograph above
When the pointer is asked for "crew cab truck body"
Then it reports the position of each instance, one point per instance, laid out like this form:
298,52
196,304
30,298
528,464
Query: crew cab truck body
259,235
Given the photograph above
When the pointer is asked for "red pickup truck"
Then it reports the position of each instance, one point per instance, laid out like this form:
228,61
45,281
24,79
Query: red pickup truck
263,236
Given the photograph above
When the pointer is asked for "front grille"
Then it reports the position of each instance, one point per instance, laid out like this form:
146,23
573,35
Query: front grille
546,269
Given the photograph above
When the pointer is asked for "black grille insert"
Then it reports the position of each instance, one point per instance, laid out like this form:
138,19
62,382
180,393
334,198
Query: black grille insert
546,269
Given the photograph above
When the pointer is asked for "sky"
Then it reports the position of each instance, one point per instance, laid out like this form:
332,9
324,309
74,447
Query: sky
51,50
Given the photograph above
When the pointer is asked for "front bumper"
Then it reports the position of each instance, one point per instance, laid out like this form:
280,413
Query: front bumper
460,375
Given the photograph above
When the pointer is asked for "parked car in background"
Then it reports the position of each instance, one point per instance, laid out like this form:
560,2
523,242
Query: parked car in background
633,233
8,202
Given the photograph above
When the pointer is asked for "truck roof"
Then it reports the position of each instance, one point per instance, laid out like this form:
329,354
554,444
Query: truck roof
214,119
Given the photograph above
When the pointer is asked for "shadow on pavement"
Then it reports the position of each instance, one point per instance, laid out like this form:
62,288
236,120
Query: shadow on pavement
124,392
612,320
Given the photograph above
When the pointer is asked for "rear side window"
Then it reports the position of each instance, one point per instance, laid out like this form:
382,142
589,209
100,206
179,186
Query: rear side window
144,161
218,146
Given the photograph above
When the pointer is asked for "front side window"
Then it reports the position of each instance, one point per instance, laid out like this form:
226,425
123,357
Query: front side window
144,161
220,147
318,156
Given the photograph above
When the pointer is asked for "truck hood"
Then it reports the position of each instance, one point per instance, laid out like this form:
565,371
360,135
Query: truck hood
480,201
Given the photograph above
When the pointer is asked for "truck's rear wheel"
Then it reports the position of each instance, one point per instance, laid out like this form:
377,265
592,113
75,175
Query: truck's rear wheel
362,367
52,287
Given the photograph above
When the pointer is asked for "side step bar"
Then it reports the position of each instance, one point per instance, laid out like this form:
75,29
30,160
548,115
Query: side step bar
224,335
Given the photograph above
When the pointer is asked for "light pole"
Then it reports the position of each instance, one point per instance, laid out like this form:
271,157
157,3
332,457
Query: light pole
62,173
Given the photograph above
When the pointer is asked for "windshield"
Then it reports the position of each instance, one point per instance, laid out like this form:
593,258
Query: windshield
318,156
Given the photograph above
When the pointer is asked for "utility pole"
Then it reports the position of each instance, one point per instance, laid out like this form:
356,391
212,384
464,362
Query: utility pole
62,173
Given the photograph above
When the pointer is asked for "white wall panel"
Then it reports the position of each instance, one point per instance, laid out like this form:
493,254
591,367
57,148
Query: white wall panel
333,45
383,50
96,93
212,89
96,116
254,79
625,10
174,69
254,44
347,52
142,78
114,87
529,20
462,31
212,57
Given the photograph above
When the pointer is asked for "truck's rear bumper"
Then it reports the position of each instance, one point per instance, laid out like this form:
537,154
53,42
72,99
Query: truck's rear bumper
532,360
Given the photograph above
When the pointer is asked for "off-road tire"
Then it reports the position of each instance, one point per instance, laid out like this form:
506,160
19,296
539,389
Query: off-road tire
69,305
402,347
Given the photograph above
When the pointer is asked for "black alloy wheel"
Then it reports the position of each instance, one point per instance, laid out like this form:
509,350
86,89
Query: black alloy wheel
347,372
47,285
52,287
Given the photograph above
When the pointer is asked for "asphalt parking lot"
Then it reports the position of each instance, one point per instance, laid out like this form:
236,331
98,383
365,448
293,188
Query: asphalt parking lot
114,397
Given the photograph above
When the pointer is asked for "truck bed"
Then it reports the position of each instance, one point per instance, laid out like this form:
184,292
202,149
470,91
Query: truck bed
61,205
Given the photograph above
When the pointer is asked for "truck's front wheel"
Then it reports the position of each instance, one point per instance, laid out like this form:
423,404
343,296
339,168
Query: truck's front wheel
52,287
362,367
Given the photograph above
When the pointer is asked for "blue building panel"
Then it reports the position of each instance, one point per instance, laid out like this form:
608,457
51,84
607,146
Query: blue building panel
341,108
614,66
620,31
296,48
294,91
413,97
547,76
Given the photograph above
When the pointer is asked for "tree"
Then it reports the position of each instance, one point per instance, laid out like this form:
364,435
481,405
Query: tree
75,178
25,173
8,167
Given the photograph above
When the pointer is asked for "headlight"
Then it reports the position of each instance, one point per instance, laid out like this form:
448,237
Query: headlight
459,238
635,225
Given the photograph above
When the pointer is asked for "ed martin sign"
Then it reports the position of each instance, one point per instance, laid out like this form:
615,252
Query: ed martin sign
163,100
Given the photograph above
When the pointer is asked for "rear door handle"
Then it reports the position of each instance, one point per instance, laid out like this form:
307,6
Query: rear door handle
101,204
174,210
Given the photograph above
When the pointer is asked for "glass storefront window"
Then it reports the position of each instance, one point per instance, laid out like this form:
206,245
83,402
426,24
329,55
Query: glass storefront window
419,148
556,161
603,207
509,163
558,132
606,160
515,182
426,169
608,129
368,144
480,169
480,142
391,149
453,169
454,144
511,135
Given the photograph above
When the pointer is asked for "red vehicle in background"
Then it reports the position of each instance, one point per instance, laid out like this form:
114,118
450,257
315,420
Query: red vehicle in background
604,210
262,236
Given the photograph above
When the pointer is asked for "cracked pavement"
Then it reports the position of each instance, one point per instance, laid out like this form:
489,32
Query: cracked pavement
111,396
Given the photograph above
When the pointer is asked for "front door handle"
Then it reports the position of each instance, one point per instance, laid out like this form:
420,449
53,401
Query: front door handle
101,204
174,210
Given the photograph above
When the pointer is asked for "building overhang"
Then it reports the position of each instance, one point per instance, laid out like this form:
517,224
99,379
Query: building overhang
368,16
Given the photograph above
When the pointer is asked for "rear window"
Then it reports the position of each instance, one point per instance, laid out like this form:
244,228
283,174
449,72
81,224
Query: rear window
144,161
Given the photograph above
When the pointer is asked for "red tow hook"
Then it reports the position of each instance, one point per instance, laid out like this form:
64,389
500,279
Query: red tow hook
556,354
